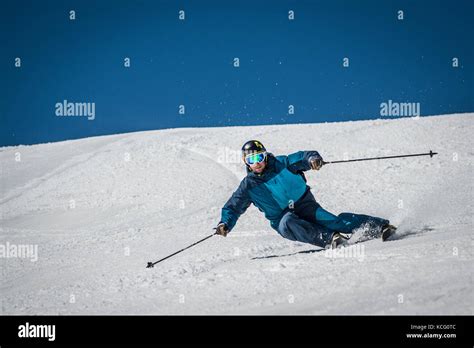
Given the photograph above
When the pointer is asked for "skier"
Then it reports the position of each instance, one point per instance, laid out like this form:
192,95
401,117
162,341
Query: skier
276,185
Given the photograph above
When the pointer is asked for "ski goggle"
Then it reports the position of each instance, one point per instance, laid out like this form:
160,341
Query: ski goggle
255,158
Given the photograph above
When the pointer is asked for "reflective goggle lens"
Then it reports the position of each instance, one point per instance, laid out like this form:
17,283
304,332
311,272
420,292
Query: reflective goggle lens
255,158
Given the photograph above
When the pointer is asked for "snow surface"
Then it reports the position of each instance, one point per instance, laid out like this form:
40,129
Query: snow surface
100,208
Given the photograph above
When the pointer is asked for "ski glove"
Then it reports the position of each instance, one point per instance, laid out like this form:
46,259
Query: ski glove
222,229
316,162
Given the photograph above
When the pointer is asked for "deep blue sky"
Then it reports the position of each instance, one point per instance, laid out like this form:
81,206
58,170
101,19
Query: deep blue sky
174,62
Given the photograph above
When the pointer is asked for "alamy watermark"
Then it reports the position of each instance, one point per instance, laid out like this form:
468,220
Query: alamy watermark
226,155
396,109
28,330
356,251
66,108
25,251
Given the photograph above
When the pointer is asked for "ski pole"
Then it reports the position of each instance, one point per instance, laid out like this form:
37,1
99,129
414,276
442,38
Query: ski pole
431,154
151,264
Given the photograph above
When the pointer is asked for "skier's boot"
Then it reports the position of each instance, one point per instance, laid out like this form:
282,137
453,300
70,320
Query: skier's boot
387,232
337,240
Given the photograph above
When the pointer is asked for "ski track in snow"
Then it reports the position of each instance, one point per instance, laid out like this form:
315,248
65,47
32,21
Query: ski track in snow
100,208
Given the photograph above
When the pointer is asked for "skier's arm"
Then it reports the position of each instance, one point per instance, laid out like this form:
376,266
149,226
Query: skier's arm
235,206
300,161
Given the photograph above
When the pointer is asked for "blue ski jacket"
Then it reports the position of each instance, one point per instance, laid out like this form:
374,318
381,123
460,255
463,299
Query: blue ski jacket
273,191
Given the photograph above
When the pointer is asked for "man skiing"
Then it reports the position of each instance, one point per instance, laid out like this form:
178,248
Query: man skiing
276,185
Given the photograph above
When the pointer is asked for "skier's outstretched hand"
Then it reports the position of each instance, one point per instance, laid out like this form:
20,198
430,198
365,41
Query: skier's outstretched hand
222,229
316,163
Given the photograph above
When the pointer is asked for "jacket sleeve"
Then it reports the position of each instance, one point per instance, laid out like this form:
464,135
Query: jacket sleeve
236,206
299,161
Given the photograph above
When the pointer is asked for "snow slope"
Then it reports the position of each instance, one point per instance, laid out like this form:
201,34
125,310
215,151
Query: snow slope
100,208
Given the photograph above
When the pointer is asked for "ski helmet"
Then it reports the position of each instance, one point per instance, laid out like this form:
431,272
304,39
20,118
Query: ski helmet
252,147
